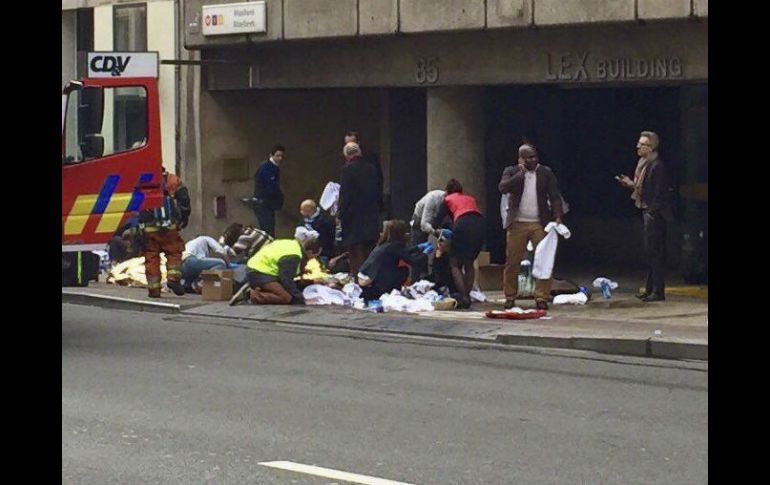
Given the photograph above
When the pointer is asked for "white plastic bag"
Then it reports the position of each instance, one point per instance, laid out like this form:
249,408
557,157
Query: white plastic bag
420,288
504,207
330,198
352,291
578,298
545,252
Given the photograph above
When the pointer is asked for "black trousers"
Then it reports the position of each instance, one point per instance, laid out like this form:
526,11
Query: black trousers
655,250
265,217
358,254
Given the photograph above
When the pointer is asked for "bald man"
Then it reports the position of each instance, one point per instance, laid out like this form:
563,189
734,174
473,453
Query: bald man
359,212
316,219
534,201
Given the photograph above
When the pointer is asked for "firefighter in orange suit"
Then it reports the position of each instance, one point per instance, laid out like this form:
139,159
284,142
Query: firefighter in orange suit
160,229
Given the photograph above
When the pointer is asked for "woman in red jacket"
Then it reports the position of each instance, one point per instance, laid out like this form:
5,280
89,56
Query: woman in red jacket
468,234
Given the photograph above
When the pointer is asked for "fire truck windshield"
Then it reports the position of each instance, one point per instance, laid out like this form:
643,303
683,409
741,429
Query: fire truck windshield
98,122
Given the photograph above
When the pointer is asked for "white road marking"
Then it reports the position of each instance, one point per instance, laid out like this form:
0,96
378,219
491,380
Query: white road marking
329,473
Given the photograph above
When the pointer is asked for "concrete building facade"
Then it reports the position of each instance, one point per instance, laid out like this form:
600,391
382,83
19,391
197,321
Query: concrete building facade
449,88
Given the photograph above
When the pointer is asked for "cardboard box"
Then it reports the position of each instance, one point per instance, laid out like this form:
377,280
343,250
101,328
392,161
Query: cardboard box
490,277
217,284
483,259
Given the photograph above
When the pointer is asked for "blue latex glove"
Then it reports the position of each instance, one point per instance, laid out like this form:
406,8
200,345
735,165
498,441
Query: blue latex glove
446,234
426,247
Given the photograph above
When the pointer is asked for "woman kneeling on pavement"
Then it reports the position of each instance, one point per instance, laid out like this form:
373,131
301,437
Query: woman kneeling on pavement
386,267
271,272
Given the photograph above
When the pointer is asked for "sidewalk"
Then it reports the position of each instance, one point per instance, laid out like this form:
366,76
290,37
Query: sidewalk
675,329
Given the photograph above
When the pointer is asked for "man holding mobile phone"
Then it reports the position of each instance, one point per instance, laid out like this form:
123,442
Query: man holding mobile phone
651,193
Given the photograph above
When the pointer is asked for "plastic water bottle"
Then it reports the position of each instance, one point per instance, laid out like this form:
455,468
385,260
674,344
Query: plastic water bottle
606,291
526,268
526,283
374,306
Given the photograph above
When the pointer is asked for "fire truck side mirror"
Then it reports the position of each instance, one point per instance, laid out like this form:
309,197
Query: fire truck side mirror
90,112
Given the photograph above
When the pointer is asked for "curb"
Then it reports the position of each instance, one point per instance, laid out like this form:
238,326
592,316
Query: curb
118,303
700,292
633,347
617,346
380,330
679,350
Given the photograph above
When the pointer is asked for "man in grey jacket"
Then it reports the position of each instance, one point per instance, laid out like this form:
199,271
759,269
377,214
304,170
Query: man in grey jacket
534,201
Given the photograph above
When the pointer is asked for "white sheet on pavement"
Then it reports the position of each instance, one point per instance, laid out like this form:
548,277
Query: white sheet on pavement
395,301
578,298
323,295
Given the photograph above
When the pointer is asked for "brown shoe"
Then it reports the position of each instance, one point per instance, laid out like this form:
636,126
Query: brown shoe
510,303
541,305
154,293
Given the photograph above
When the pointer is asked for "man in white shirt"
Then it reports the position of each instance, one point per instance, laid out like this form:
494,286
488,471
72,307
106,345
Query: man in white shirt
197,258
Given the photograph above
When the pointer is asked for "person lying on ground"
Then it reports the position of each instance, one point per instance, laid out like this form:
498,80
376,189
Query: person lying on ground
247,243
201,254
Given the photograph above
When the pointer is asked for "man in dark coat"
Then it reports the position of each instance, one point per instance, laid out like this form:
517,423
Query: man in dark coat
370,157
651,192
268,196
358,207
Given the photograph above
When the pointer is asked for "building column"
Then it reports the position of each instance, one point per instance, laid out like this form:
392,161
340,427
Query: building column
455,139
160,38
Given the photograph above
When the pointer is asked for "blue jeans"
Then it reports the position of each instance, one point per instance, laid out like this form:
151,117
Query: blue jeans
192,267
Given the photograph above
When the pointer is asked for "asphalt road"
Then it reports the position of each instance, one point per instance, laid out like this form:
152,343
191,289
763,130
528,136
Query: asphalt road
149,398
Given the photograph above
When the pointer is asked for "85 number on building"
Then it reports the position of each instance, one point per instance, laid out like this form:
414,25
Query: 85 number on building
427,70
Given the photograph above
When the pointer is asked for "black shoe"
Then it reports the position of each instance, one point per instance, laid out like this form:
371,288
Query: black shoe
241,295
541,305
510,303
653,297
176,287
463,303
642,295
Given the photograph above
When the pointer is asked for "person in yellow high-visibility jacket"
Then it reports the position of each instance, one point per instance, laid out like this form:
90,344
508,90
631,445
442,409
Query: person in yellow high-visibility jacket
271,272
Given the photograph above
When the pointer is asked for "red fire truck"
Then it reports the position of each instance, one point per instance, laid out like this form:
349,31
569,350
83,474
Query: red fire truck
111,154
